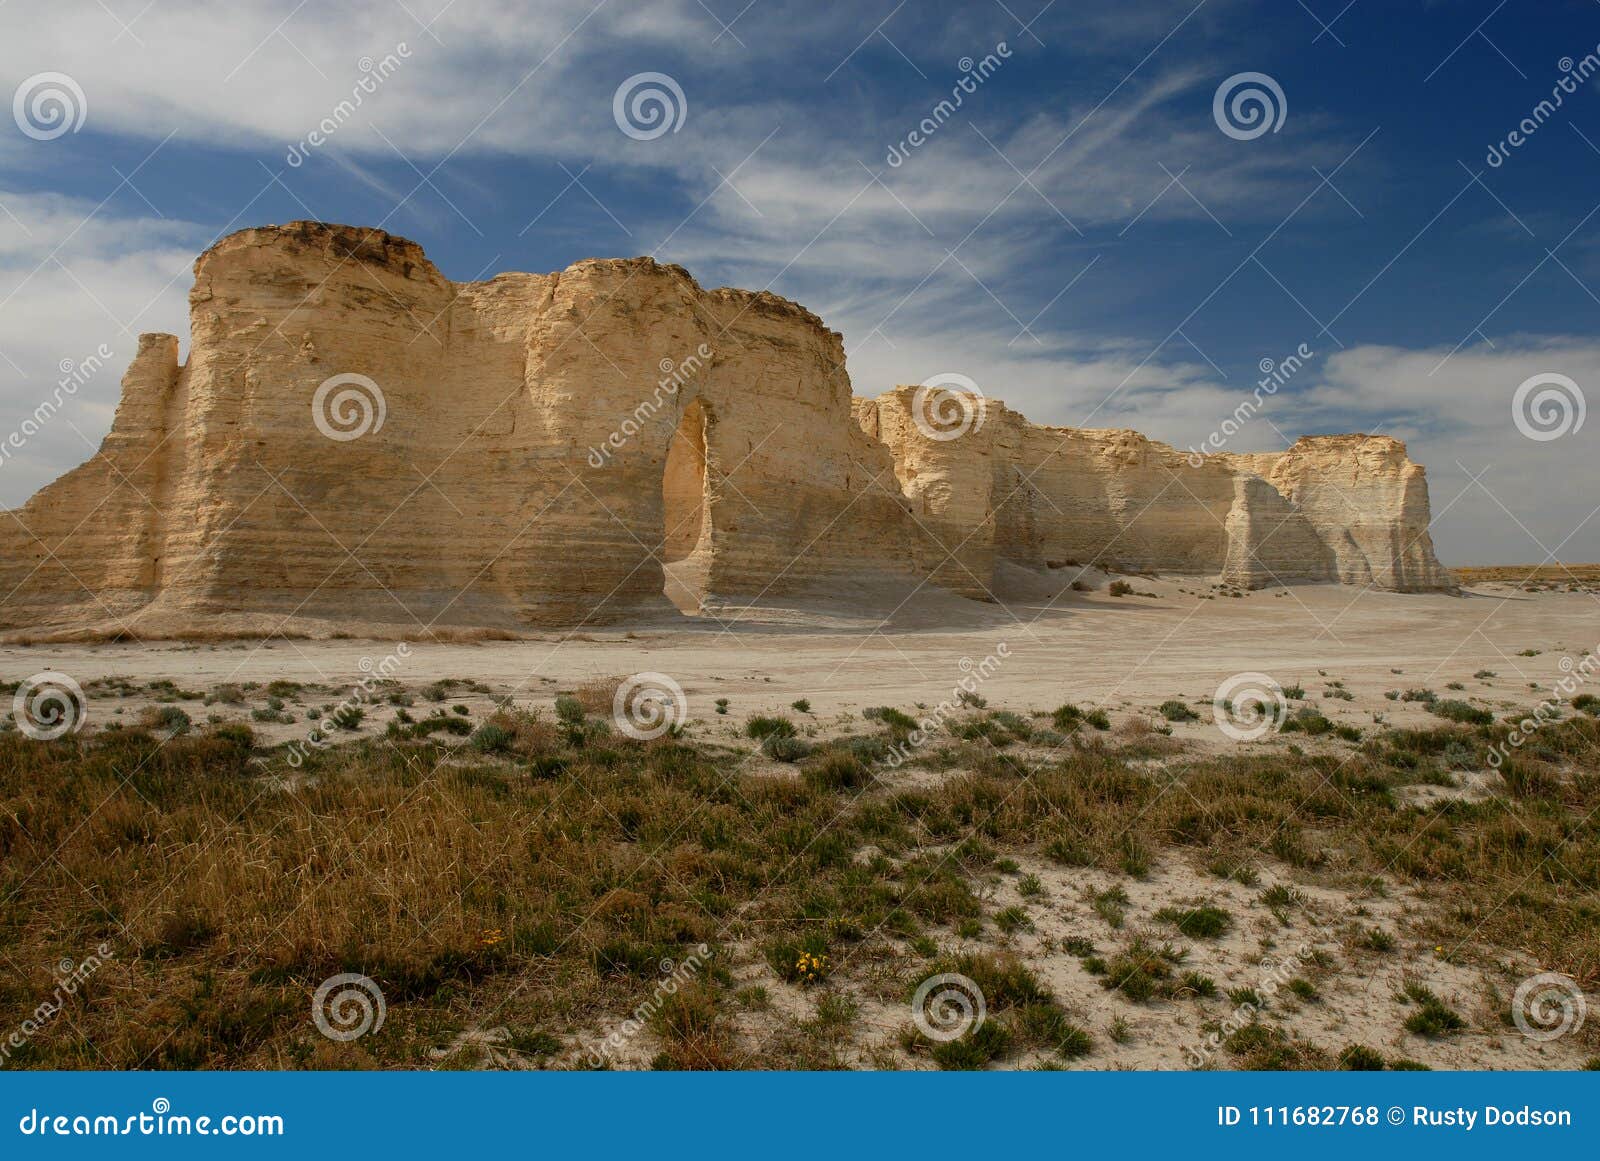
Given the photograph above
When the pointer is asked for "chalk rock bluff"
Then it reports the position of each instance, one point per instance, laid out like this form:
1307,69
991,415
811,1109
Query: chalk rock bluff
579,447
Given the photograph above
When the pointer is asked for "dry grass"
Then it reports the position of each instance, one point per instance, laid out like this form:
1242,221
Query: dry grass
534,879
597,694
1556,574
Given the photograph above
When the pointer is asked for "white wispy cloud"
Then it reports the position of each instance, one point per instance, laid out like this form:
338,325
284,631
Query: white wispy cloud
888,255
71,281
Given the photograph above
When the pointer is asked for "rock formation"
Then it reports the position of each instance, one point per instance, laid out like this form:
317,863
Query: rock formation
355,439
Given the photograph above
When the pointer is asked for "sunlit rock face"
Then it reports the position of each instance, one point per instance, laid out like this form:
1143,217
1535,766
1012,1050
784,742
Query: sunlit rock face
1348,508
355,439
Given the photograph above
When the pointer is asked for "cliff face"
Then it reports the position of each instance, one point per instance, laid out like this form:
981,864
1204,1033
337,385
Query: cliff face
1348,508
356,439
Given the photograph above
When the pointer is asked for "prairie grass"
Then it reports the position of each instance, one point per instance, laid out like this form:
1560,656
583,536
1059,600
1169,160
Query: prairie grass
538,876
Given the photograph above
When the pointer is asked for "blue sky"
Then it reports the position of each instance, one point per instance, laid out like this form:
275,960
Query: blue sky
1081,237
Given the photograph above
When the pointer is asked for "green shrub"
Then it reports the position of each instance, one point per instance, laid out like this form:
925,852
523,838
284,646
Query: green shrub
1197,922
347,717
785,747
974,1050
1175,711
1307,720
1048,1025
1304,989
1140,973
1460,711
836,770
1433,1016
1012,919
761,727
897,721
1360,1058
491,738
166,717
1068,717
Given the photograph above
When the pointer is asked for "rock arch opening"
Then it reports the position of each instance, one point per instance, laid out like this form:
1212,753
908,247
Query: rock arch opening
686,545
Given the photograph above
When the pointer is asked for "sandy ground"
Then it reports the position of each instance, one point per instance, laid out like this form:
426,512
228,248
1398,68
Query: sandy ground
1121,653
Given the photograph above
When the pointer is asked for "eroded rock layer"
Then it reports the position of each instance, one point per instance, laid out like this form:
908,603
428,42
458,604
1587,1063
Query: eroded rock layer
355,439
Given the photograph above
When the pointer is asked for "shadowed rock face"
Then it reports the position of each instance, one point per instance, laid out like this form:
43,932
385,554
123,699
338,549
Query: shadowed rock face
547,449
